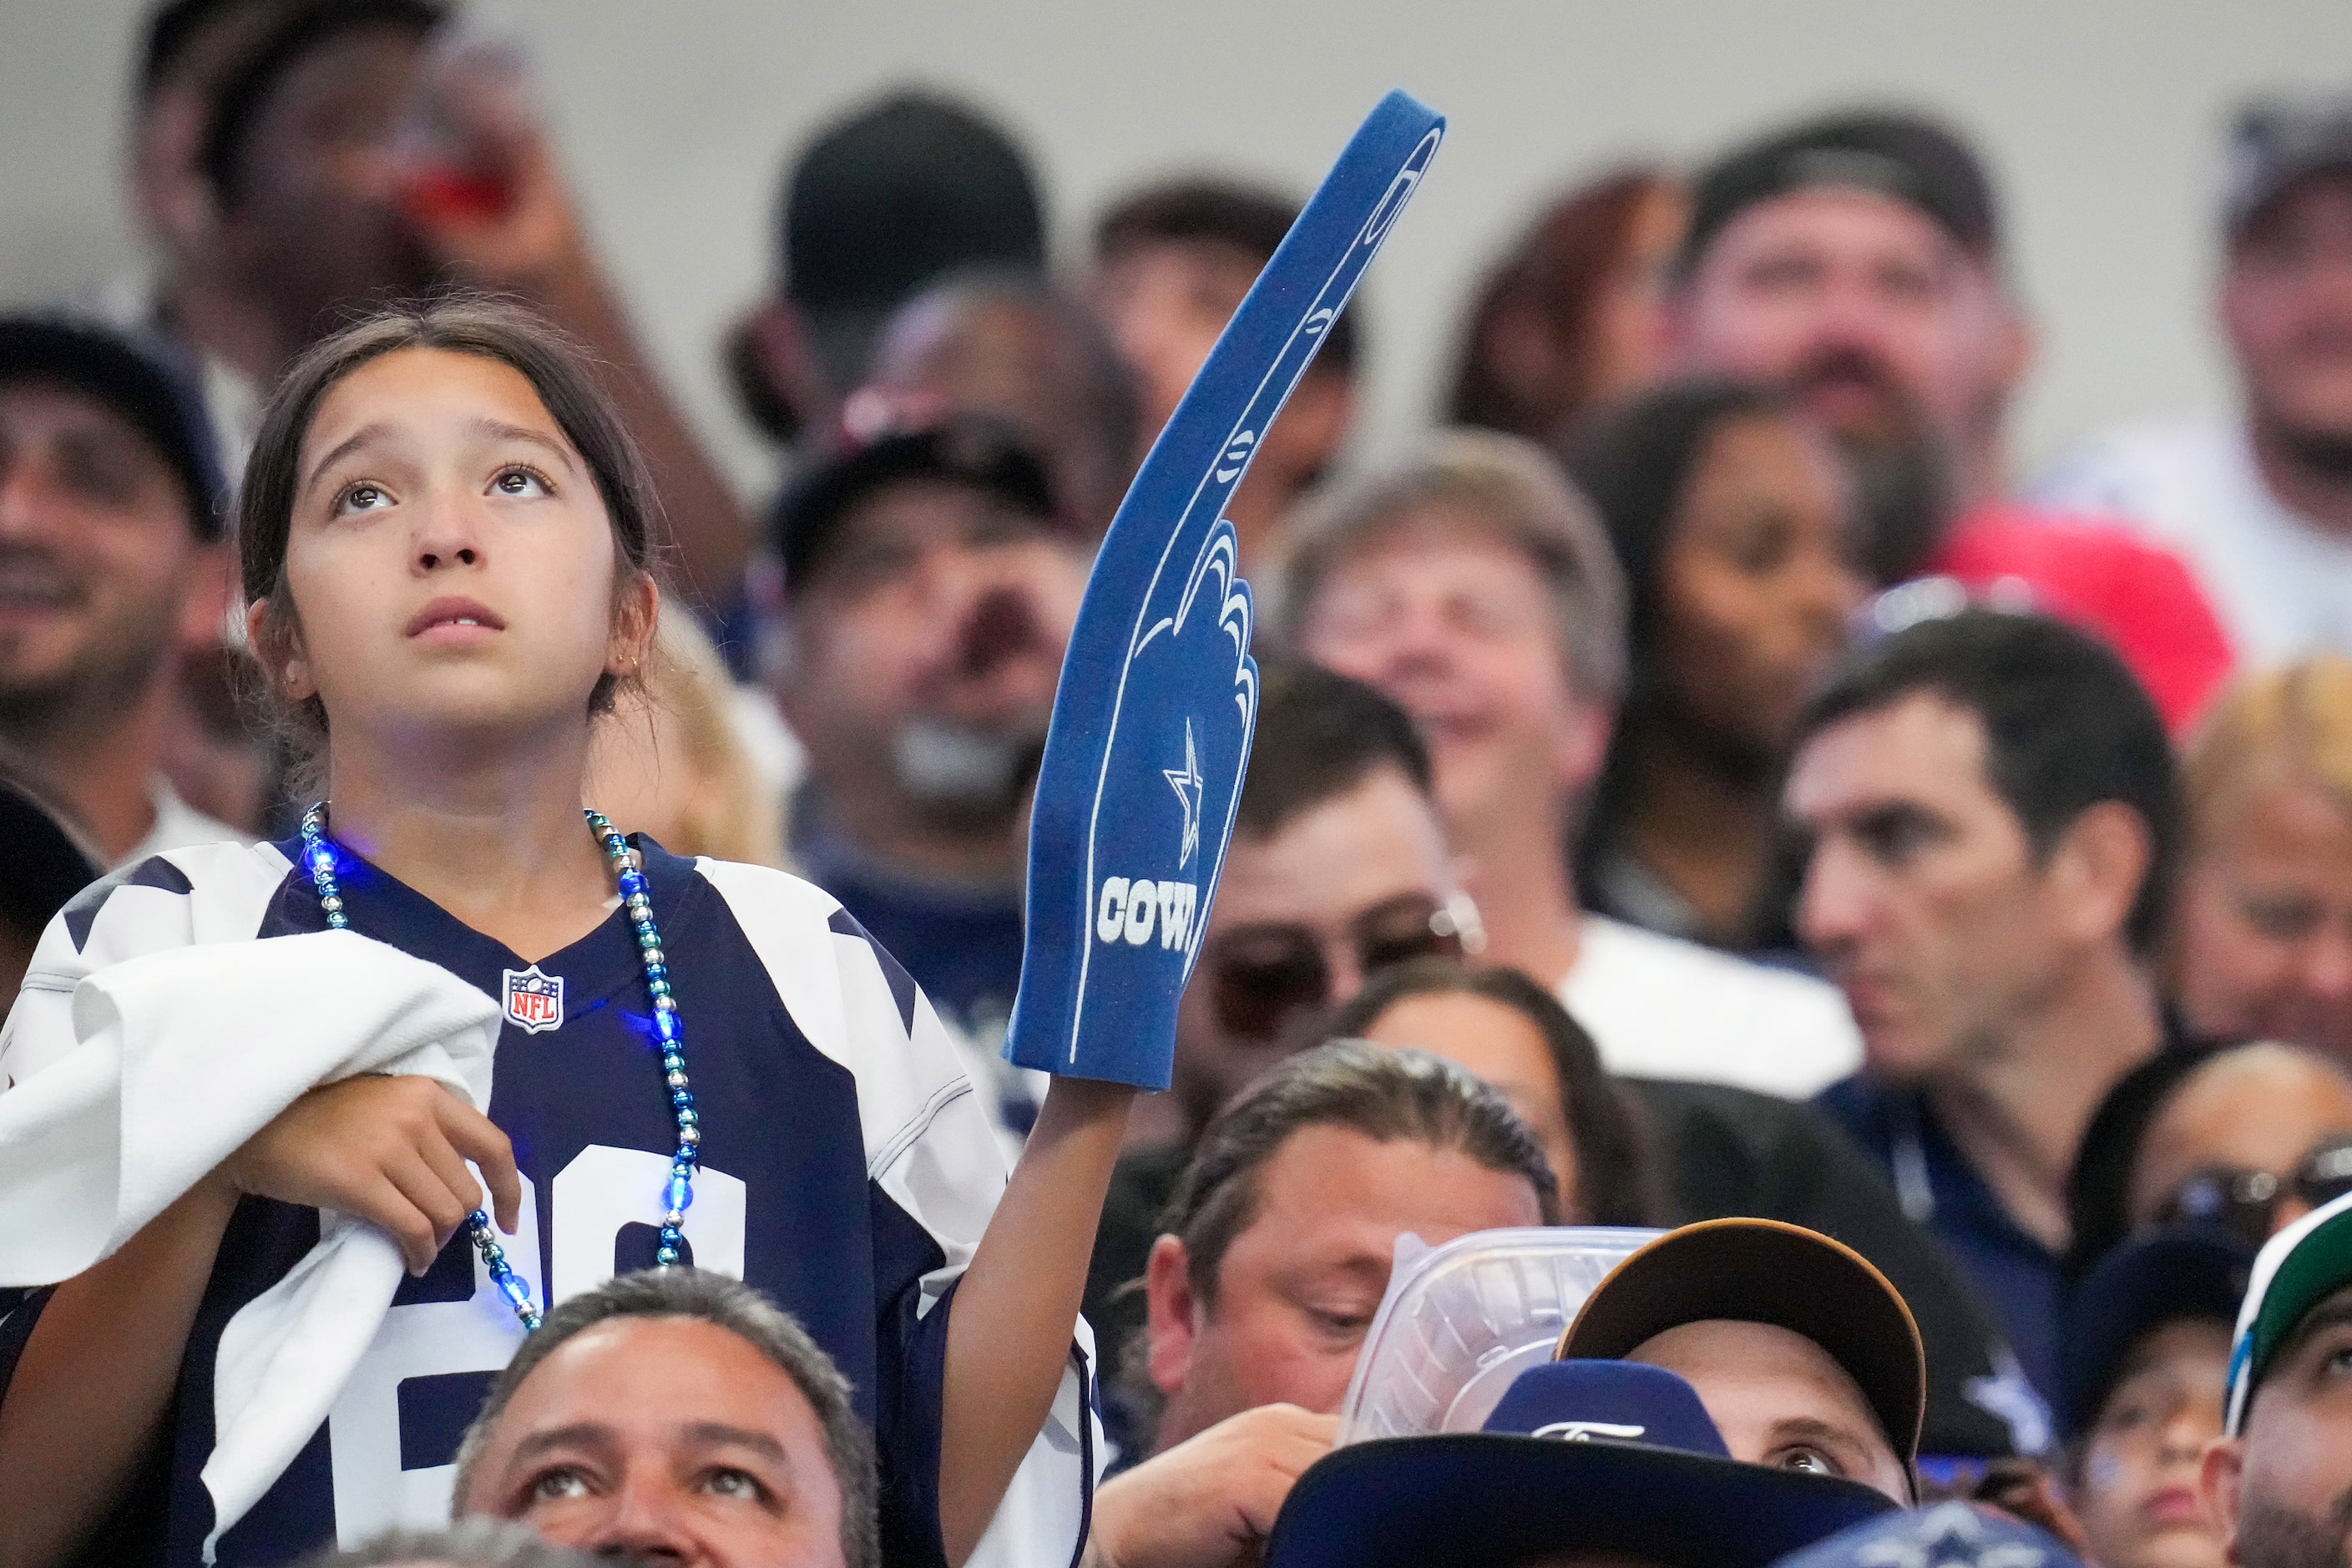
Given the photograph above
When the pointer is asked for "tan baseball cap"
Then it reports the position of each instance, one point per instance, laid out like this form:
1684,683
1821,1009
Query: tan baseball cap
1765,1271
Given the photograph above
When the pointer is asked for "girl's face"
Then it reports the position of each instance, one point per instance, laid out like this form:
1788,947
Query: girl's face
1756,587
450,561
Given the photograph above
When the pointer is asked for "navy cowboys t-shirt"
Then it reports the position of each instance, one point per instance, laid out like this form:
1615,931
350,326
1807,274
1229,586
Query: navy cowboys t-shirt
784,1200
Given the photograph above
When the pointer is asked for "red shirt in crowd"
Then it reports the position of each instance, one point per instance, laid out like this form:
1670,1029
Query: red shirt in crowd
2105,579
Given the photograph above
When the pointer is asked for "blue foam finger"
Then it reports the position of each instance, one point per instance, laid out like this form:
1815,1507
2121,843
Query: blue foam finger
1151,724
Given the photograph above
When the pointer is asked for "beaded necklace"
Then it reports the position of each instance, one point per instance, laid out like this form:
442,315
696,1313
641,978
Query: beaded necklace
629,873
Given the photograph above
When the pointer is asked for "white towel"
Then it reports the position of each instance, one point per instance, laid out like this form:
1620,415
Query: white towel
177,1058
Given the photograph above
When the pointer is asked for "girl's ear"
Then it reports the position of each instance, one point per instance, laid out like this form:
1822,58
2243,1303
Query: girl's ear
278,648
634,624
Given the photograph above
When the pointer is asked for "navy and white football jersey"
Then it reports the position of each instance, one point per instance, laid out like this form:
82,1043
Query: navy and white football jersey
848,1171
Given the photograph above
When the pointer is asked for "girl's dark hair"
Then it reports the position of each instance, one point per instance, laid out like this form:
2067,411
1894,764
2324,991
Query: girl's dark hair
1556,273
559,370
1616,1176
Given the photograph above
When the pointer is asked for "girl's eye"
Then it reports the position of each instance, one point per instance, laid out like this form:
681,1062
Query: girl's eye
521,481
360,497
559,1486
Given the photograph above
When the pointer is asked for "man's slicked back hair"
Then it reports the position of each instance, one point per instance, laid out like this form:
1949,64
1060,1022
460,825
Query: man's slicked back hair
469,1543
1384,1093
2067,726
743,1311
1318,736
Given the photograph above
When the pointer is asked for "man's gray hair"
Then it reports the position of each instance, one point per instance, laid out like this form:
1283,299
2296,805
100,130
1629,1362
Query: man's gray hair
469,1543
1507,485
742,1312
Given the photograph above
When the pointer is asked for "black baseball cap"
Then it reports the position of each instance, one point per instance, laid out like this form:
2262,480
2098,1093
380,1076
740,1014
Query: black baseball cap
1579,1456
891,196
2195,1272
1896,152
981,454
139,383
2278,142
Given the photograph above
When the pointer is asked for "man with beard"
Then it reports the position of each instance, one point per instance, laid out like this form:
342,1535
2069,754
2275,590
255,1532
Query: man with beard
2262,505
929,584
2279,1483
1856,261
110,562
295,159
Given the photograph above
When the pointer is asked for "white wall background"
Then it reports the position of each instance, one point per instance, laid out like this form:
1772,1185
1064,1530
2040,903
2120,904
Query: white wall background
2102,118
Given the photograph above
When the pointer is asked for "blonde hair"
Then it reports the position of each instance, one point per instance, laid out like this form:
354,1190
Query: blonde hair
1509,485
2297,718
692,783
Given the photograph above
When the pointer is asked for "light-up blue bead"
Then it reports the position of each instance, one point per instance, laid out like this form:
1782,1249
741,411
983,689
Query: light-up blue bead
678,1195
513,1288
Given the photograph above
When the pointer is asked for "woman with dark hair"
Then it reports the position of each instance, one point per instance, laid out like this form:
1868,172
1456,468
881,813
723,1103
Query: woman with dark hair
2246,1137
1574,316
1515,1035
1731,517
446,542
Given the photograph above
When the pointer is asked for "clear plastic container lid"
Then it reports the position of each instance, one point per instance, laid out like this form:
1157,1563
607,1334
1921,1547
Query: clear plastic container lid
1461,1321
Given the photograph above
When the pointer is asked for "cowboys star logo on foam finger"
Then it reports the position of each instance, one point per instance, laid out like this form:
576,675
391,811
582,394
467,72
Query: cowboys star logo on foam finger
1187,782
1159,665
534,1000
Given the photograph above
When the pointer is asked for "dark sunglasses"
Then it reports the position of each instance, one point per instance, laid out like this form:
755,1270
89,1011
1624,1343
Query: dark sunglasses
1263,976
2247,1202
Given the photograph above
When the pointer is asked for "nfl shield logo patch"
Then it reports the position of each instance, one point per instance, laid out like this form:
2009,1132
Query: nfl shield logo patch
534,1001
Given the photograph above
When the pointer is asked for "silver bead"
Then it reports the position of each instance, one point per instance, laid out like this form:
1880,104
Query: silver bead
652,955
676,1081
673,1220
689,1135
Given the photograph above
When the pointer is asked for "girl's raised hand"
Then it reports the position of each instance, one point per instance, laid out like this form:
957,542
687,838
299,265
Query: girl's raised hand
392,1150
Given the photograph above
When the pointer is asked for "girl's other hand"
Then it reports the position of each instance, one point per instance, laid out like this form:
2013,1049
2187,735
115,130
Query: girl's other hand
392,1150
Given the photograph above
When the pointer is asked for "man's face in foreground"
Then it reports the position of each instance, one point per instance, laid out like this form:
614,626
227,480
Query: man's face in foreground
2282,1492
1297,1288
667,1439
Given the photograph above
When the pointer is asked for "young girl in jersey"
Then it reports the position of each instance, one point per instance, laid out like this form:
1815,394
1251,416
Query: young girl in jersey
445,542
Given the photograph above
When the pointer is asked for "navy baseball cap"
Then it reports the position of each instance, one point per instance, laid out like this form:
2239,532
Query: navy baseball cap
1581,1455
977,453
1945,1535
2187,1271
133,380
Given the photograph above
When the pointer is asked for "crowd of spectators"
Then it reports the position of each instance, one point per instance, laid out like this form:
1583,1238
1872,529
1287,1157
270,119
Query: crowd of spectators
1701,785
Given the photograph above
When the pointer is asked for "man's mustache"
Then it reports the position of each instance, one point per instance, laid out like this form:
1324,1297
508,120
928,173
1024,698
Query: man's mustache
1849,366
